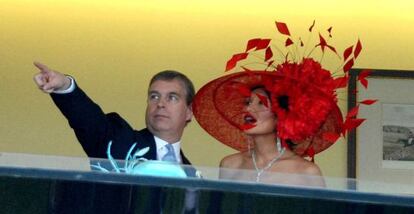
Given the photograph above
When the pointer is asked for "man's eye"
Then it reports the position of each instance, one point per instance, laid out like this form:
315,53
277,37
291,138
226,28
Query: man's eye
173,98
154,97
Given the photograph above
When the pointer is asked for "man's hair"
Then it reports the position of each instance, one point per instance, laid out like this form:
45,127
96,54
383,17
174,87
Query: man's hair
169,75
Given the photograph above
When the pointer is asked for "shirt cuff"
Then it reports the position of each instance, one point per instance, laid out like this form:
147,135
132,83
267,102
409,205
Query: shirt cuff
68,90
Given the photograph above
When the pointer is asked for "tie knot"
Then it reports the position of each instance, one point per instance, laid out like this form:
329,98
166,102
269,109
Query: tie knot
170,155
170,148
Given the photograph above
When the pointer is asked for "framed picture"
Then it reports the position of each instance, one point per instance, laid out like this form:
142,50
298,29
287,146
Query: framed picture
381,149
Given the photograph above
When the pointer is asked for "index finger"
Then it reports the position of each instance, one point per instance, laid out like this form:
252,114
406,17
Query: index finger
41,67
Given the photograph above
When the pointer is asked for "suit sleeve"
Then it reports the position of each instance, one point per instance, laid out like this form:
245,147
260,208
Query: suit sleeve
93,128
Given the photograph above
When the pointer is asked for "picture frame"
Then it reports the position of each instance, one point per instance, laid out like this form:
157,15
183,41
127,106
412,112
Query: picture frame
381,149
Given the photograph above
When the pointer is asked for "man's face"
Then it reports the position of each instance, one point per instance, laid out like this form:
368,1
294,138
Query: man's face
167,111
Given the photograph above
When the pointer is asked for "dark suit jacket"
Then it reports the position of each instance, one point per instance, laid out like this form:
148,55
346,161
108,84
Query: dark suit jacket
94,129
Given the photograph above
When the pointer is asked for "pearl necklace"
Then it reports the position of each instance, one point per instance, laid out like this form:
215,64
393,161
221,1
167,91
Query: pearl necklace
260,171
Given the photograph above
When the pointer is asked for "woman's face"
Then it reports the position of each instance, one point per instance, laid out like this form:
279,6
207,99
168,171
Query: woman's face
259,113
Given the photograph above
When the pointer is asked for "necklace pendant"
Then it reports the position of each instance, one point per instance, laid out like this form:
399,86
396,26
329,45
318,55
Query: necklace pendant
260,171
258,174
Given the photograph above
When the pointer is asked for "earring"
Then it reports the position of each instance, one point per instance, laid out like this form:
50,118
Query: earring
278,145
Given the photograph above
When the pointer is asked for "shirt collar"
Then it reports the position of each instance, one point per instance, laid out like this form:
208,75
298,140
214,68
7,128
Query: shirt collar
161,150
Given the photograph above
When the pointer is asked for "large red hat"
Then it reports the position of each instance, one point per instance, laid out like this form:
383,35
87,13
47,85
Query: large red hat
219,108
311,119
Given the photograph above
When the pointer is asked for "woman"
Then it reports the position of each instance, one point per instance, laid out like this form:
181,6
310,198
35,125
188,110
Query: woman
291,115
270,151
266,153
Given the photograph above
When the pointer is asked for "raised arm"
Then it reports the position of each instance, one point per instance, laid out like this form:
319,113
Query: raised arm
93,128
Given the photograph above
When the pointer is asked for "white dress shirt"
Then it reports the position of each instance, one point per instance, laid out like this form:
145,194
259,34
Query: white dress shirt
68,90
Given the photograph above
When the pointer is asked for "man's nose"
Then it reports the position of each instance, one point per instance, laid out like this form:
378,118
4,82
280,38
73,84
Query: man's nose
161,103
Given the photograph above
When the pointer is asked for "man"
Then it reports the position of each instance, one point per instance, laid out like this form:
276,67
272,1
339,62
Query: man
168,111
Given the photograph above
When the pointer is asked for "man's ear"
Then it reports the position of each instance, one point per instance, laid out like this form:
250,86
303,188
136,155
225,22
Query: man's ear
189,113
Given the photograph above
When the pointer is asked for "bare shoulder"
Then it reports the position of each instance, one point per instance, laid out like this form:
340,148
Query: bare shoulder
312,169
313,175
232,161
307,167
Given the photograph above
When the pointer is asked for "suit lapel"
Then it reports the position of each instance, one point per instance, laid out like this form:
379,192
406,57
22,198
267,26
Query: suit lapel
184,158
146,139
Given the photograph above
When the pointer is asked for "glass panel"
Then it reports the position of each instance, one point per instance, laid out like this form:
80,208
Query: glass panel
35,183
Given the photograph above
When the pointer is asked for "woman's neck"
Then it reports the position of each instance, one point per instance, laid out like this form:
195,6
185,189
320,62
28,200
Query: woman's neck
265,146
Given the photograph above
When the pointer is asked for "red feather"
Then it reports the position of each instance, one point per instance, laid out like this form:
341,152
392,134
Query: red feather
347,52
263,99
351,124
358,49
364,82
353,112
282,28
368,102
288,42
252,43
262,44
332,48
348,65
322,43
269,54
364,73
341,82
234,59
311,27
330,31
330,137
362,77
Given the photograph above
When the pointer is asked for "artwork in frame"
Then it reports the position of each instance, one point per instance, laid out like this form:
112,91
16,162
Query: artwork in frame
382,148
